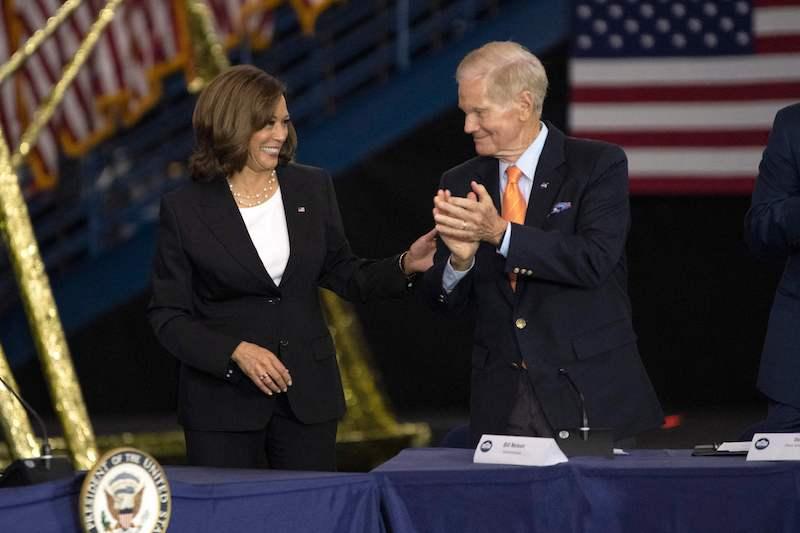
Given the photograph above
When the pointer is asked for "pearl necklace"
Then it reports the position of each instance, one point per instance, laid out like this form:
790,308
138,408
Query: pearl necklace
258,198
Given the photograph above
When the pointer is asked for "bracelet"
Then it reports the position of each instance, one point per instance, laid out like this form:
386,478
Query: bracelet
401,262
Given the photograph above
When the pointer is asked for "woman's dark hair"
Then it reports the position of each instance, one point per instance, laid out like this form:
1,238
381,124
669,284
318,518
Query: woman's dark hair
236,104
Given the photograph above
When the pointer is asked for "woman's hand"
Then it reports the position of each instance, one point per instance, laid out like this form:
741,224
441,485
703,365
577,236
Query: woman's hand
419,257
262,367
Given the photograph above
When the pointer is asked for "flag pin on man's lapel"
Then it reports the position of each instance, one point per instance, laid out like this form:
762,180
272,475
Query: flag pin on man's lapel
544,184
301,209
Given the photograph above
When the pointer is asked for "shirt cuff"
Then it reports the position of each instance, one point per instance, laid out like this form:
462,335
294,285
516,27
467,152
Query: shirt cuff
503,249
451,276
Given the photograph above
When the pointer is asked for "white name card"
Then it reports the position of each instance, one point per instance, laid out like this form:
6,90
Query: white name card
774,447
525,451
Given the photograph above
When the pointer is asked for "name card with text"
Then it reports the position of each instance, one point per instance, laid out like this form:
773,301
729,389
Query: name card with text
774,447
525,451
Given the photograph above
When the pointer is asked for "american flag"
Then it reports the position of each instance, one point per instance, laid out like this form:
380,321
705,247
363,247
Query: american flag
121,80
688,87
238,19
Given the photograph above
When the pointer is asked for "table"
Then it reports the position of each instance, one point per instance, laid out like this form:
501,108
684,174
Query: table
218,500
649,491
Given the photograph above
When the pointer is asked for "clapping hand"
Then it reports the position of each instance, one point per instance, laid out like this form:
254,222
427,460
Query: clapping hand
470,219
453,227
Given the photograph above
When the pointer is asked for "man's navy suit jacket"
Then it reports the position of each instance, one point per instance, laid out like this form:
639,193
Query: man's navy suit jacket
570,310
772,228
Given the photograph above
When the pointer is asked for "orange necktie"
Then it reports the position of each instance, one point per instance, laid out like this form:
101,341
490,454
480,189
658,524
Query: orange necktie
514,206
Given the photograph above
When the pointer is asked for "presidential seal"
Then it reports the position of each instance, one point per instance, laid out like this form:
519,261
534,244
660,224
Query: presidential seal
125,492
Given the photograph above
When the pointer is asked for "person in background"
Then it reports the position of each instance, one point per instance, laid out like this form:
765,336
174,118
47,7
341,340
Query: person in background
533,235
772,229
241,254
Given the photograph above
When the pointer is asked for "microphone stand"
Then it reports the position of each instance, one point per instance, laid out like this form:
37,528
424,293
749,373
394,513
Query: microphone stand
583,440
33,470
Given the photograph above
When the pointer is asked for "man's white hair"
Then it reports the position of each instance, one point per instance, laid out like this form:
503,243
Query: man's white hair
508,68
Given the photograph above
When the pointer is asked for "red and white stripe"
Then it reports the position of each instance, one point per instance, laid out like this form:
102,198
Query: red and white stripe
232,26
693,125
9,118
138,46
143,36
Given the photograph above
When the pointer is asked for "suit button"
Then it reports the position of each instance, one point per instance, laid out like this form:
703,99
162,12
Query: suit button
284,343
520,323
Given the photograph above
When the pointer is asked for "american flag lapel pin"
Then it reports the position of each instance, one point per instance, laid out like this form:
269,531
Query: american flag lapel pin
301,209
544,185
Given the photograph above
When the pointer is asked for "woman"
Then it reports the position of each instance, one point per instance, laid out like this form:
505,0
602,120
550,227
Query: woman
241,253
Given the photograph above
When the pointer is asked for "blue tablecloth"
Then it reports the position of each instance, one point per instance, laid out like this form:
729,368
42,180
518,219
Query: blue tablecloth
217,500
433,490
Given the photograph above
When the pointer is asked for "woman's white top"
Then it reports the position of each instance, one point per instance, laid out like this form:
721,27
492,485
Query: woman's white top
266,224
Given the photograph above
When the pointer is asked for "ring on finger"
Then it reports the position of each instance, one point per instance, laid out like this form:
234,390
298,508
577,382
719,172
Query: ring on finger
262,377
463,225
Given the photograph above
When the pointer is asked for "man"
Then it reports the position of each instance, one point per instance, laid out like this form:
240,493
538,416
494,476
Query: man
772,228
535,231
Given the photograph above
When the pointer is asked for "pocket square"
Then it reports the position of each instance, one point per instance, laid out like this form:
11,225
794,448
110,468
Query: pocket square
560,206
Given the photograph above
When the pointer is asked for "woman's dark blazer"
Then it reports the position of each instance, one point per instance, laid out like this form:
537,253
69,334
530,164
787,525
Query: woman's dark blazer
211,291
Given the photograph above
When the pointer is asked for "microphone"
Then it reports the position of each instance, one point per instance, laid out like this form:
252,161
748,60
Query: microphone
583,440
33,470
584,415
